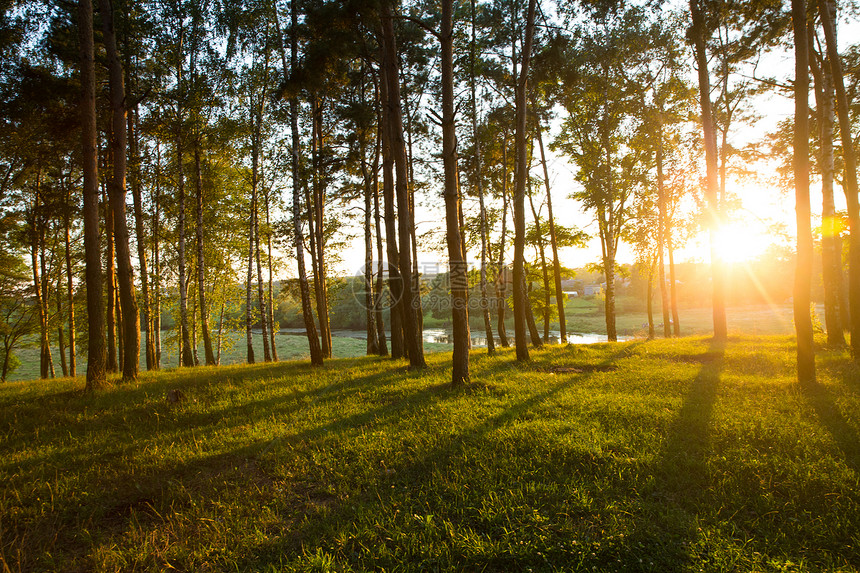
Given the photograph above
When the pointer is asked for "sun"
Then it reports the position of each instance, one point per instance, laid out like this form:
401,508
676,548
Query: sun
740,241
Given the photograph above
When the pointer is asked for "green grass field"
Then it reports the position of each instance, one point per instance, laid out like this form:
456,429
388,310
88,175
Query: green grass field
657,456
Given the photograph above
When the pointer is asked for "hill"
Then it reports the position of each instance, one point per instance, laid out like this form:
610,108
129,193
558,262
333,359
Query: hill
641,456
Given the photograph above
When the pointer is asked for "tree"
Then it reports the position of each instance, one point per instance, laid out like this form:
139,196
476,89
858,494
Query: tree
96,355
803,274
119,148
520,175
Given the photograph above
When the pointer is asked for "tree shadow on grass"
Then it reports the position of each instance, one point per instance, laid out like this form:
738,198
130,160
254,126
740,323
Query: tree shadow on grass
422,474
821,398
677,488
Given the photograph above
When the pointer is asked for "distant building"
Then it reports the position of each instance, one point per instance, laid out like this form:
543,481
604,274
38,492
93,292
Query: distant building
591,290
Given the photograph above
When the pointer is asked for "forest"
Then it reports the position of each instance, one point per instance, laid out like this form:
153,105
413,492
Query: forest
268,145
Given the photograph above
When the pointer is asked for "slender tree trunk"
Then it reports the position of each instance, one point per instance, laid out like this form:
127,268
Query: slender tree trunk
501,273
803,274
255,226
543,265
521,174
457,272
156,258
395,283
96,354
317,224
70,290
61,335
650,302
270,304
410,299
125,271
41,303
112,365
553,240
369,315
712,185
831,258
298,241
220,332
849,183
534,334
479,188
141,238
249,311
201,260
382,345
662,230
185,355
673,287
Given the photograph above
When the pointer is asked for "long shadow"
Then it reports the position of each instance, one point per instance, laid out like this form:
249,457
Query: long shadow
666,525
833,420
416,475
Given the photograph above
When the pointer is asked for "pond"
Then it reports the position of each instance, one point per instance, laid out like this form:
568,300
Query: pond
445,336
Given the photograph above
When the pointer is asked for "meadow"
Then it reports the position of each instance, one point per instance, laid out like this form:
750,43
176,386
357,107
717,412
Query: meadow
662,455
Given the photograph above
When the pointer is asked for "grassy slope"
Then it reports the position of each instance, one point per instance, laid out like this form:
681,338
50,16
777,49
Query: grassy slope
651,456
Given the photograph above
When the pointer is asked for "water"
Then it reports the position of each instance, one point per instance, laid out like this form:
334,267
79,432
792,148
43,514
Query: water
445,336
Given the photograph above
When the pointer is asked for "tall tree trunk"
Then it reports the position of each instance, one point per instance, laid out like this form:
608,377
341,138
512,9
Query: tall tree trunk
382,345
662,229
479,188
521,174
849,183
112,365
543,266
395,282
457,272
831,258
650,301
37,236
410,299
185,355
673,287
249,311
70,288
304,289
201,261
803,274
261,297
156,258
125,271
501,273
96,354
61,335
369,315
317,226
270,303
553,240
711,189
149,353
256,119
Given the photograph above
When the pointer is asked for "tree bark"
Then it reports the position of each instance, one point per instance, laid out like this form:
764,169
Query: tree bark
298,241
849,182
831,258
70,289
803,274
457,271
382,345
117,195
209,355
395,282
110,258
712,185
141,238
96,354
410,298
501,274
553,240
520,175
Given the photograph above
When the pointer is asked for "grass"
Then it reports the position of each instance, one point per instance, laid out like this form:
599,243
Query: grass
667,455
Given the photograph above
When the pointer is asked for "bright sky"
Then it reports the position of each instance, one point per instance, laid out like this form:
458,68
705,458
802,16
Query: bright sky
763,203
